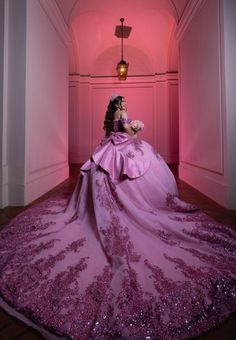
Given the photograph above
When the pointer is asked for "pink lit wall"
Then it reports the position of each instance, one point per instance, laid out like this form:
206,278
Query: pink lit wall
204,161
95,49
151,89
153,100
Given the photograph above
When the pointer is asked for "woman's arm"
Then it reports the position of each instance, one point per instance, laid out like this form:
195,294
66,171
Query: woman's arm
129,130
126,126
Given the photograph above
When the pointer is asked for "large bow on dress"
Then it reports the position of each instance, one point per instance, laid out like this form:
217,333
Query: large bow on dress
120,155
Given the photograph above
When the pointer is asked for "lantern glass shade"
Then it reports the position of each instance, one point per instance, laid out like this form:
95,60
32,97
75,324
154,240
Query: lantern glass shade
122,70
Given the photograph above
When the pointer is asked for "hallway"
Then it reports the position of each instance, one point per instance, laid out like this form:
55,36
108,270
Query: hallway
58,71
180,83
11,329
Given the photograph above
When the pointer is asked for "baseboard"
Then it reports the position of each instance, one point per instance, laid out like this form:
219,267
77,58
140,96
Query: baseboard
210,184
21,194
3,195
3,185
39,186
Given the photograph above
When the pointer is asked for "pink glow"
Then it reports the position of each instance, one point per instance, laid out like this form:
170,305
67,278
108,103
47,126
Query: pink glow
95,50
151,49
205,53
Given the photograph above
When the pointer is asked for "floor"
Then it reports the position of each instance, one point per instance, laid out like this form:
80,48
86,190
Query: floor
11,328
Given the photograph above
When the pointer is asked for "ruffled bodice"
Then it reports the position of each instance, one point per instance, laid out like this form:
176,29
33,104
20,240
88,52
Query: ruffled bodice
118,124
120,155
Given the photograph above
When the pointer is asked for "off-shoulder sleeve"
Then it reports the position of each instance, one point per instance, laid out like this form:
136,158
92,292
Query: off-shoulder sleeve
125,120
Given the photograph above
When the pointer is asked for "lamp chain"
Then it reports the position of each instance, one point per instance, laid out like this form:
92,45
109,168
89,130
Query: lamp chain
122,20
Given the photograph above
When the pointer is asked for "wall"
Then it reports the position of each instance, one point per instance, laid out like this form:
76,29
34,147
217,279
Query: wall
204,161
151,89
14,98
3,190
46,162
35,97
149,49
151,99
229,55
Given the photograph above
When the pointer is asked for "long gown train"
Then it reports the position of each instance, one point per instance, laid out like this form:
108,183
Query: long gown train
124,259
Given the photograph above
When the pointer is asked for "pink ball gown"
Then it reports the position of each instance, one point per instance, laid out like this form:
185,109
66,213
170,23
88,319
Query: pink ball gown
124,259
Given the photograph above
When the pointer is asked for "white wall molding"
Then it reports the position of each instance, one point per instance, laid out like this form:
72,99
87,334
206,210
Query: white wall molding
16,194
190,11
88,100
207,102
37,186
212,185
51,9
208,169
5,60
4,186
174,121
48,168
75,78
23,194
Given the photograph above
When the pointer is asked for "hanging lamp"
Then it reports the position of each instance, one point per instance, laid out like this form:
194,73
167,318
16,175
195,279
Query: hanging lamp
122,66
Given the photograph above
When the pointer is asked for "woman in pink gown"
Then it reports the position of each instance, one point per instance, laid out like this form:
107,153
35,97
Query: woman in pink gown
126,258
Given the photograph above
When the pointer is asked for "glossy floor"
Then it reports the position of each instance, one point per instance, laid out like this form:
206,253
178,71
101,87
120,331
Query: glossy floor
11,328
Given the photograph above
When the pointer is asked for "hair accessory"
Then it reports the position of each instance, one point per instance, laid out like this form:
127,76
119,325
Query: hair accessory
113,96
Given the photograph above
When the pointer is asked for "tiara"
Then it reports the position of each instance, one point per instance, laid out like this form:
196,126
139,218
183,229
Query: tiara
113,96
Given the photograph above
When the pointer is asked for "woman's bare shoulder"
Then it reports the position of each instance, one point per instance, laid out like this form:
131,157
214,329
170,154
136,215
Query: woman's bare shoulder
121,114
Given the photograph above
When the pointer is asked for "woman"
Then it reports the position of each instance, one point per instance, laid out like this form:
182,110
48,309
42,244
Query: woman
127,259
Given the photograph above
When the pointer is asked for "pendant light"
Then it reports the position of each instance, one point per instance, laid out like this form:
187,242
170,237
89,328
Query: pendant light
122,66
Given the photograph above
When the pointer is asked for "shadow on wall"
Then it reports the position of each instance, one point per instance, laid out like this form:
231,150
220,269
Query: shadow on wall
140,64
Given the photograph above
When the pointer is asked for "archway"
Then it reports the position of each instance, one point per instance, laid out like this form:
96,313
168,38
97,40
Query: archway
151,51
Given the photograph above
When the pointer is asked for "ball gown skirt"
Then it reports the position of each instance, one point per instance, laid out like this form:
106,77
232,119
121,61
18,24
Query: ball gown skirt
123,258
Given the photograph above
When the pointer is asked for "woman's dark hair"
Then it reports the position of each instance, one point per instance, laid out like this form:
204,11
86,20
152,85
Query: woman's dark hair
109,117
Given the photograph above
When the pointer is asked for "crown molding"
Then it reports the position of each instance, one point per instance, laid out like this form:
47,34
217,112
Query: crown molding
51,9
189,13
170,77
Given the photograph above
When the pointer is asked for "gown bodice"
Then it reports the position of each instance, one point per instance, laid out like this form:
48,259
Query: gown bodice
118,124
119,154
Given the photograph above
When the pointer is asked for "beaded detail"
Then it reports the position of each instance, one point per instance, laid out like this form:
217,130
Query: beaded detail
126,259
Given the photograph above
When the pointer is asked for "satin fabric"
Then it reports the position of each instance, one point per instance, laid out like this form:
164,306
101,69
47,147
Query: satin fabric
122,258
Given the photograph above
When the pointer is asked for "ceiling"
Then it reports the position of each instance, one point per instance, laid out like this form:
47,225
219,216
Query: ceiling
95,49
